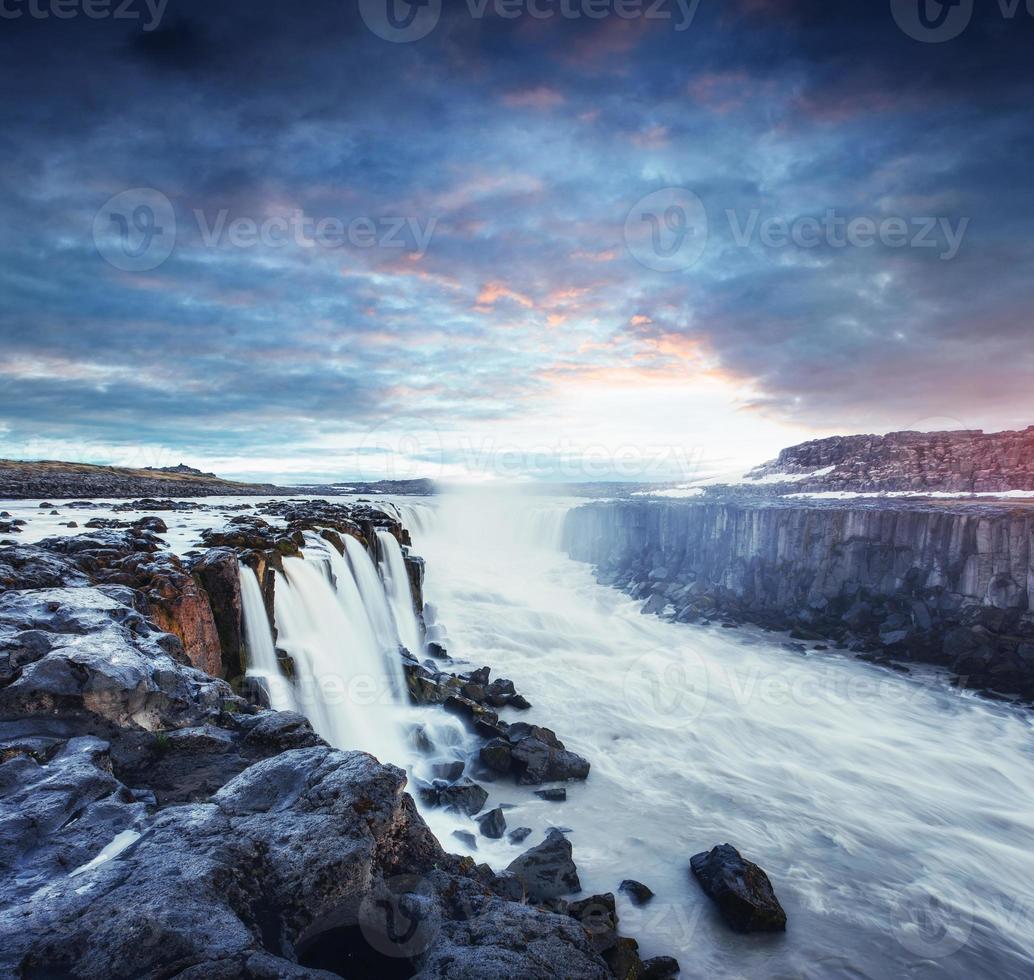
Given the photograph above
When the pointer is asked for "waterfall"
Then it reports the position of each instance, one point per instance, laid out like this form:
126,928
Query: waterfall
347,684
396,582
258,640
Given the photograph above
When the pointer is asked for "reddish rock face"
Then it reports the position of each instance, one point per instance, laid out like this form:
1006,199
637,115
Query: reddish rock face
182,608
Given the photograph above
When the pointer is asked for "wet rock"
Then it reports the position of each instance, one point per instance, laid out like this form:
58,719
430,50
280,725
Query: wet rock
554,794
623,960
30,567
463,796
492,824
598,916
447,770
637,892
466,838
496,755
740,889
547,870
151,523
519,835
660,968
539,756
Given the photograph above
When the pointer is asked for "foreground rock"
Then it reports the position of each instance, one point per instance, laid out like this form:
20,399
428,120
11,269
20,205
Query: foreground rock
740,889
153,824
548,870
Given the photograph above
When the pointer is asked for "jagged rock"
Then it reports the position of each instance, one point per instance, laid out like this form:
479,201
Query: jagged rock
496,755
450,771
623,960
104,659
539,756
219,574
29,567
637,892
548,869
463,796
740,889
660,968
466,838
599,918
152,523
492,824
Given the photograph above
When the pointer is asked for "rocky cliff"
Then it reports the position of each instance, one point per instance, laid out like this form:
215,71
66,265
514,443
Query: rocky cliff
969,461
942,584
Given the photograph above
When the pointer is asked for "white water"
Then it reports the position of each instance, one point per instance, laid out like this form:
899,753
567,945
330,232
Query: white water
396,584
346,683
258,639
894,815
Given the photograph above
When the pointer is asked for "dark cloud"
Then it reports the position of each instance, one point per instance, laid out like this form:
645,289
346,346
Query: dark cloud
526,143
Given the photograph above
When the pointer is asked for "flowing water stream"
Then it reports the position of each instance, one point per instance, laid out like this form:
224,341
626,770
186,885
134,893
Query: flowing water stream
895,815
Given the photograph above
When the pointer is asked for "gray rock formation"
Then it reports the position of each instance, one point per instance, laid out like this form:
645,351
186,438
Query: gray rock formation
947,584
965,460
153,824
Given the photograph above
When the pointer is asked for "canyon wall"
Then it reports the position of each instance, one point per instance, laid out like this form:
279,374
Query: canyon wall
942,584
963,461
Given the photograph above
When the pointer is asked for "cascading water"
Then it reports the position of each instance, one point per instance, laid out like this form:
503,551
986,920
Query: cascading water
375,600
396,582
258,639
345,681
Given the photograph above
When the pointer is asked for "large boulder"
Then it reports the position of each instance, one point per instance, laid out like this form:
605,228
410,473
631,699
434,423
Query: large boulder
539,756
740,889
547,870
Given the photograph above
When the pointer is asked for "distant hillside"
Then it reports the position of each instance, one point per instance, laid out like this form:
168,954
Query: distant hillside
50,478
968,461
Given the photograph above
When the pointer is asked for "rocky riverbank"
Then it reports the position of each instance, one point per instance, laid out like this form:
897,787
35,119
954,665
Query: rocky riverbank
895,582
157,823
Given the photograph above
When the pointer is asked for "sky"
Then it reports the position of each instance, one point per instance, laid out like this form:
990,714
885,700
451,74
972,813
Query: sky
509,239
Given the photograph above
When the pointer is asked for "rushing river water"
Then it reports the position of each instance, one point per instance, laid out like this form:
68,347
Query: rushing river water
894,815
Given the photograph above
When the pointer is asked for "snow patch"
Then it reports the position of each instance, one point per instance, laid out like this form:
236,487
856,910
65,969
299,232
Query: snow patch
113,850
